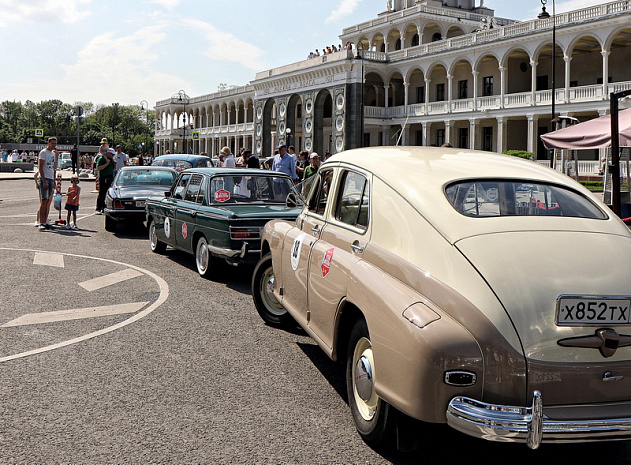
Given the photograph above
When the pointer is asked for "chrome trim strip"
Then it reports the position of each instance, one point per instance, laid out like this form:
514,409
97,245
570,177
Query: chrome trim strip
529,424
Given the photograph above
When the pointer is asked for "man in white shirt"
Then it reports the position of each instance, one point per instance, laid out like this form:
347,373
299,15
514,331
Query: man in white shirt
121,159
47,161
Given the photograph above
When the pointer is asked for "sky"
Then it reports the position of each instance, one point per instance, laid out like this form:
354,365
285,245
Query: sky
130,51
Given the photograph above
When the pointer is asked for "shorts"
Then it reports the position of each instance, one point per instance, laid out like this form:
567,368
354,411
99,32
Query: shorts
46,194
72,208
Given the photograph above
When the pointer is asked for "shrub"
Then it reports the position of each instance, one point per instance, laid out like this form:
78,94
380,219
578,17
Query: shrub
520,154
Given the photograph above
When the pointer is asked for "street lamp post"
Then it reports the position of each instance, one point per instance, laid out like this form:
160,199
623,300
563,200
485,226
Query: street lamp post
360,56
614,167
142,107
288,135
183,98
545,15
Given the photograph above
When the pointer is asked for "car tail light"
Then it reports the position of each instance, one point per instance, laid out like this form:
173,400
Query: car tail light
245,232
118,205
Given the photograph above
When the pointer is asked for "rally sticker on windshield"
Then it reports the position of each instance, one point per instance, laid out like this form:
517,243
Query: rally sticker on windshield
295,251
222,195
326,262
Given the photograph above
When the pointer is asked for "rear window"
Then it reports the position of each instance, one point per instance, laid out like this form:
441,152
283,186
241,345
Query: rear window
519,198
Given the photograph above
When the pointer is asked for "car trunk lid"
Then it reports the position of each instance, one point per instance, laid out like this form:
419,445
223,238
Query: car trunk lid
530,271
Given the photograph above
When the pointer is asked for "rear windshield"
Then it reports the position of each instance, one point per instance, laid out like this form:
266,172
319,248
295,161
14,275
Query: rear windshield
519,198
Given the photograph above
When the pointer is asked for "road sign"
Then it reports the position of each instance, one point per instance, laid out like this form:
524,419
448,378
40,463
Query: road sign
195,135
39,133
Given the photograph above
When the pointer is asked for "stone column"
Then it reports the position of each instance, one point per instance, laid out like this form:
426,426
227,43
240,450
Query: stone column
605,55
501,134
426,132
475,89
474,126
532,133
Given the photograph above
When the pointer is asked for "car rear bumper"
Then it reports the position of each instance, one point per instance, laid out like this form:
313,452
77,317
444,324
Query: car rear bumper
239,255
529,424
120,215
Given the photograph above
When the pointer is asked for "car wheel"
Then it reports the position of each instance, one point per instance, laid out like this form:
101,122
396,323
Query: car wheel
268,307
203,258
156,245
110,224
373,416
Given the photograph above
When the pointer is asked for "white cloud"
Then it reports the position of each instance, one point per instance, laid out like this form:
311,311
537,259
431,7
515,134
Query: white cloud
346,8
41,11
224,46
168,4
108,69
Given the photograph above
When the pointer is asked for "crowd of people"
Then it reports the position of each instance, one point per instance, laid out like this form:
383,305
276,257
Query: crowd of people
106,163
330,49
299,166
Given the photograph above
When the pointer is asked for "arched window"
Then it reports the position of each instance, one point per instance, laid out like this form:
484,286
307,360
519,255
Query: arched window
436,37
415,40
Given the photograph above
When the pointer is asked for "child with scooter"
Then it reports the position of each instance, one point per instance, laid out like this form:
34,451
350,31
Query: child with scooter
72,201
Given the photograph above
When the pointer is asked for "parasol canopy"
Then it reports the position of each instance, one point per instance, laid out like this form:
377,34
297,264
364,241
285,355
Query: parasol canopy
592,134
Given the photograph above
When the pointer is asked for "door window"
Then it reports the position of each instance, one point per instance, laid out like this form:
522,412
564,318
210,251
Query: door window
180,187
194,188
319,199
353,202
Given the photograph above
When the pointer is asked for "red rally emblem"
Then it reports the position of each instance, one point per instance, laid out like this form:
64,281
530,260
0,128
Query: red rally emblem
326,262
222,196
184,230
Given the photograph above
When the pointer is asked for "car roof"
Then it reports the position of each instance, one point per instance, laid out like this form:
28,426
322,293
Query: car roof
180,156
236,172
147,167
420,175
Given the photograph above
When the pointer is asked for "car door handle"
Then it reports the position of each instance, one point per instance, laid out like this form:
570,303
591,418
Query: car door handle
357,248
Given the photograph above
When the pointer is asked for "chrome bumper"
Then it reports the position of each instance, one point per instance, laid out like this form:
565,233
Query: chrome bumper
230,254
529,424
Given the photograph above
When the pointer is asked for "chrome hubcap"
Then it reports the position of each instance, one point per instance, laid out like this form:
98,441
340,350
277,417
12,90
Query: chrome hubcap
363,378
267,293
366,399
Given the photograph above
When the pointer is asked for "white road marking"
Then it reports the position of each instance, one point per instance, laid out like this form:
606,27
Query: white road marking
163,296
109,280
49,259
74,314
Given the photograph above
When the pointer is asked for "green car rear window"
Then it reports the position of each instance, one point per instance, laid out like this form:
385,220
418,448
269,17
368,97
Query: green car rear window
490,198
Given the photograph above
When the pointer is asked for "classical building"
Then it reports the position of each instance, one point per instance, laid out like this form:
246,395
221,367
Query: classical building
423,72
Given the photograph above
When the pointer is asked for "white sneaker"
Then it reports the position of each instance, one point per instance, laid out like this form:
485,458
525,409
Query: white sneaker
36,224
68,226
74,226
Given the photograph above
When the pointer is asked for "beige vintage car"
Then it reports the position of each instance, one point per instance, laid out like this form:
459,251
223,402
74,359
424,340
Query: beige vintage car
460,287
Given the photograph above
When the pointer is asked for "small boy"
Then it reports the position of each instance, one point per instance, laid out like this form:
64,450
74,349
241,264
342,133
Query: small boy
72,201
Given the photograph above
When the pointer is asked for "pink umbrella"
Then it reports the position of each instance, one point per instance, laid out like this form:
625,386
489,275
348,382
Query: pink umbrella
592,134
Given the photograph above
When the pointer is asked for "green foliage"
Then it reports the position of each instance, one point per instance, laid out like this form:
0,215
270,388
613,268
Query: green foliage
520,154
593,185
125,125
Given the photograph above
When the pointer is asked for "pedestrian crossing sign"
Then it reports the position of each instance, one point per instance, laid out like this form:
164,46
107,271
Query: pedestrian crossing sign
195,135
39,133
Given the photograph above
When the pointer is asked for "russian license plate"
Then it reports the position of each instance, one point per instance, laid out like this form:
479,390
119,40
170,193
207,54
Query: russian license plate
593,311
140,204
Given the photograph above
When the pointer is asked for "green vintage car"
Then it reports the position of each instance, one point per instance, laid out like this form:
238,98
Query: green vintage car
218,213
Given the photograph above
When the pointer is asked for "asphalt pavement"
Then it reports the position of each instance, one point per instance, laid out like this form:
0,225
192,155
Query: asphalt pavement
110,353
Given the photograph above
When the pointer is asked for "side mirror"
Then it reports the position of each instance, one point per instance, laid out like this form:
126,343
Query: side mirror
167,194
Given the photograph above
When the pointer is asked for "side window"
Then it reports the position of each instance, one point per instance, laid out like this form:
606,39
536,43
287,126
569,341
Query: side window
193,188
353,201
202,190
180,187
320,197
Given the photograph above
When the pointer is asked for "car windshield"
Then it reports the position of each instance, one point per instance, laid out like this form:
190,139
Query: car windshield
249,189
127,178
519,198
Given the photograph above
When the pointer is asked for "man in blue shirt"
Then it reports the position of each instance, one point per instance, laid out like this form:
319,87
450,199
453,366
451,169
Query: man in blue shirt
284,163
